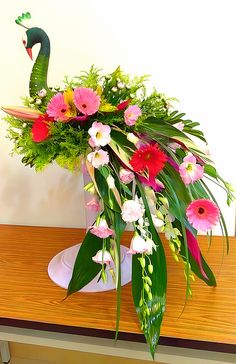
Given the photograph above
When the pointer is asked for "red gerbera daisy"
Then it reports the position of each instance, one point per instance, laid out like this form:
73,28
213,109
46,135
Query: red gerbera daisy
148,157
40,128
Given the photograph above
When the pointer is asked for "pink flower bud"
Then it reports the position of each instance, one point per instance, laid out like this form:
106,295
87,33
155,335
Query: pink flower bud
126,176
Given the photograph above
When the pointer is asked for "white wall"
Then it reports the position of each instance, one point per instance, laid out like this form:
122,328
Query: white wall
188,48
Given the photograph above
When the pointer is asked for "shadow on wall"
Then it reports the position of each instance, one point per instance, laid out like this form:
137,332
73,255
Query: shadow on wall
51,198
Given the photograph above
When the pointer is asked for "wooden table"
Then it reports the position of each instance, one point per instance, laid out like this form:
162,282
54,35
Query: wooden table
30,300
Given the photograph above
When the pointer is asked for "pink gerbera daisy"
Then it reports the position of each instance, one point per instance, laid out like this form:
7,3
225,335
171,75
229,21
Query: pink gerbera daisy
86,100
57,108
203,214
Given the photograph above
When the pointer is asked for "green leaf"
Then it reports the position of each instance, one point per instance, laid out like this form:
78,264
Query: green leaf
180,211
211,281
190,124
156,305
174,117
121,138
160,128
105,192
171,178
196,133
85,269
119,227
198,191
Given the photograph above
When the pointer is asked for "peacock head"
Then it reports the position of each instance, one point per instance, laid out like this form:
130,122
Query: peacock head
33,35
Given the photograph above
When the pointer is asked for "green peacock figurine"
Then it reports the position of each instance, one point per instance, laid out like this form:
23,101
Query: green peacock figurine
35,35
38,86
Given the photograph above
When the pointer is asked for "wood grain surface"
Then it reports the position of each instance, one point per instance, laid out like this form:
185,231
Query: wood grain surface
28,294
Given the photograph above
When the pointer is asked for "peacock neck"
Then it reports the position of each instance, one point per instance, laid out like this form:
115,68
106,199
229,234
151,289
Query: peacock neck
45,45
38,78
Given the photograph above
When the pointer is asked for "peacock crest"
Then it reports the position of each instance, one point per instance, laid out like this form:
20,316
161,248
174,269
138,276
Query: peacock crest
24,20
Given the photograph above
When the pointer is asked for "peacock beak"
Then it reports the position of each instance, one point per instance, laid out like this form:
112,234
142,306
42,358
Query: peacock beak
20,112
29,51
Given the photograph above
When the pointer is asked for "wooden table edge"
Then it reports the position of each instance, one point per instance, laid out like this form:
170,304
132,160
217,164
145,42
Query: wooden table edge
126,336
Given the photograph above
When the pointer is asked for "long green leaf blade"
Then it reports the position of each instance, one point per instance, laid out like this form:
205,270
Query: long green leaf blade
85,269
119,227
157,303
105,192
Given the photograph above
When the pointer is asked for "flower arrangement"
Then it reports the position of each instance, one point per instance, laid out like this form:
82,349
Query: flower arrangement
145,171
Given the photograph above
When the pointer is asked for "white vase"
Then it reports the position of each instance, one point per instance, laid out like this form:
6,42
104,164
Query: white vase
61,266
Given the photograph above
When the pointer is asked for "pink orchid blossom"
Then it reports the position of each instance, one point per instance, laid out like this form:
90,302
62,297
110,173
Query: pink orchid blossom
102,257
98,158
126,176
101,230
86,100
150,245
158,223
132,210
203,214
189,170
100,134
131,114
